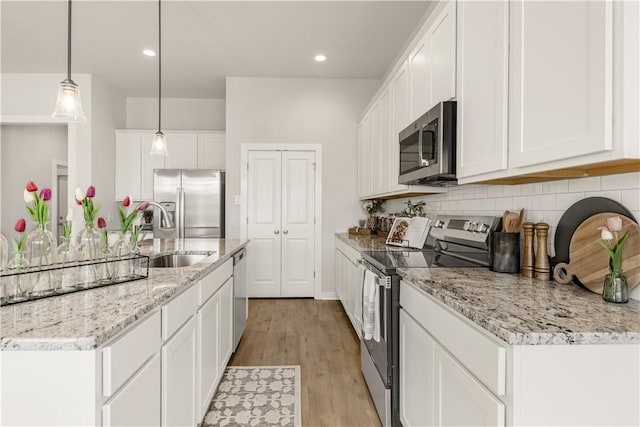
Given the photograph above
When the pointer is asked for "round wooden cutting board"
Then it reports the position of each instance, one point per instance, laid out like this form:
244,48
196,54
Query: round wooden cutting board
589,262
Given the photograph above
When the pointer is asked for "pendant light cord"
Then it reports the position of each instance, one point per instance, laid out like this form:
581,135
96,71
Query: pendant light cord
69,43
159,64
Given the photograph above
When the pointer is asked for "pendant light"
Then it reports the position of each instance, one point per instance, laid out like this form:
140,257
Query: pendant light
68,104
159,144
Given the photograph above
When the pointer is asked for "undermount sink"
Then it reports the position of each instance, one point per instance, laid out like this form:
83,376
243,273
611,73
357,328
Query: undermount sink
177,260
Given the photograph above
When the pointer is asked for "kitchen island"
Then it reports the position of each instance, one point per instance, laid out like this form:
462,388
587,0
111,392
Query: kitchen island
485,348
84,358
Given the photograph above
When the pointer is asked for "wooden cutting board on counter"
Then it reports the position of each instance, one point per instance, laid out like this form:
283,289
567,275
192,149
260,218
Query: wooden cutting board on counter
589,262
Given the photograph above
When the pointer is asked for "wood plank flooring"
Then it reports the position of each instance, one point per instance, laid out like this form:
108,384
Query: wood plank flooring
317,336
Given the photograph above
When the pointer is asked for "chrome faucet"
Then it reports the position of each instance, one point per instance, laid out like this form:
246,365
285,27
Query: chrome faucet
165,218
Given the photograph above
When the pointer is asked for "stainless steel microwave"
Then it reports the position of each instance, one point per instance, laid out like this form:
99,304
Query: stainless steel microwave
428,148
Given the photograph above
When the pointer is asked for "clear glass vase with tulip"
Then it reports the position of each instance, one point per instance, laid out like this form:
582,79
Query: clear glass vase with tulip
615,283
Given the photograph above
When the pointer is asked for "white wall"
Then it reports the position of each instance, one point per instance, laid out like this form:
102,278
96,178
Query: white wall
27,152
177,113
301,111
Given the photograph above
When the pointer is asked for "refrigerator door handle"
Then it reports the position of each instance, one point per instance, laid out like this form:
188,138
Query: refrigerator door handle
182,209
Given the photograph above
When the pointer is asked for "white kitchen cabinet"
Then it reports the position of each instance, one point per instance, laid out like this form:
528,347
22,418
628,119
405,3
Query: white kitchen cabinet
138,402
442,52
364,158
420,77
147,165
375,149
225,330
386,144
560,80
400,118
417,380
483,48
128,163
179,377
211,150
183,151
349,276
208,336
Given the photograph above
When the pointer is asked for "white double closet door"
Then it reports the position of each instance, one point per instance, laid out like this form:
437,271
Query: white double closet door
280,223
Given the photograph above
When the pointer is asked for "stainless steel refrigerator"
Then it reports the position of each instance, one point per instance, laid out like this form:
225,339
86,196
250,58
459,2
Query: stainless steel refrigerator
195,200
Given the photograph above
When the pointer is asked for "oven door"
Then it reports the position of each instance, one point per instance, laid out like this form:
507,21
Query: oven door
380,351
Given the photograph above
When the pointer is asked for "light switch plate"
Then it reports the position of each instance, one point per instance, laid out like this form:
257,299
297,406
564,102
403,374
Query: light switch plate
236,200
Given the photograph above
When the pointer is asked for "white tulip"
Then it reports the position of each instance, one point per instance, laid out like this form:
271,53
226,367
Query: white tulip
70,215
79,194
28,196
606,234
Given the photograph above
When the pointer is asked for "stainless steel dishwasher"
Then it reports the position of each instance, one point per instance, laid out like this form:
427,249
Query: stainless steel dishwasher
240,307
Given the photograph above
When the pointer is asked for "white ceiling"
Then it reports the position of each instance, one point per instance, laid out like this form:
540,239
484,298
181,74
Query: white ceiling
204,41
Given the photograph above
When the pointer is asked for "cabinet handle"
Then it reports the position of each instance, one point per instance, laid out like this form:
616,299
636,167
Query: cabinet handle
285,231
276,231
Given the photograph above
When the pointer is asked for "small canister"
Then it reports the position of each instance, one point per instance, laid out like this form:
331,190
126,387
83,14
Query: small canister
504,253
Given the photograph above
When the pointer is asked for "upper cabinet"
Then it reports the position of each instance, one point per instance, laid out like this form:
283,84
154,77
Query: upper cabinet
483,52
547,90
442,40
420,77
187,150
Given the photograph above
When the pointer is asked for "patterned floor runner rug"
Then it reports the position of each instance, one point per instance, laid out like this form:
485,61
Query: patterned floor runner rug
257,396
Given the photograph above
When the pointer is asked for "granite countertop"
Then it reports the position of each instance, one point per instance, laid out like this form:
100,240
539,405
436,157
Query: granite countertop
524,311
87,319
518,310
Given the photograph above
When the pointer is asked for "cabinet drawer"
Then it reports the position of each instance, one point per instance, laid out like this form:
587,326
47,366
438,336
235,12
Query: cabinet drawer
178,311
214,281
348,251
126,355
481,355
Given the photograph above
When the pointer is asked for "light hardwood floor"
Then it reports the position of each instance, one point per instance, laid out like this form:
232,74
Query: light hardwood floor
317,336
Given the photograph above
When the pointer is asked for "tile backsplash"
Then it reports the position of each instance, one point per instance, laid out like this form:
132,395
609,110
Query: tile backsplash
542,201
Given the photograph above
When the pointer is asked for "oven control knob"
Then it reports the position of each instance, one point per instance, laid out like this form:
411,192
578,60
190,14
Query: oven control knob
473,226
483,228
438,224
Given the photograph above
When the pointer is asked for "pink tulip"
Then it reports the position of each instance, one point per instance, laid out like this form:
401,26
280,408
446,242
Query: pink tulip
91,191
20,225
31,187
143,206
614,223
126,202
102,223
45,194
78,202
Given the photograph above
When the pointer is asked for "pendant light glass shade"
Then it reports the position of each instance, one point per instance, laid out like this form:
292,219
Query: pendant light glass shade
159,145
68,104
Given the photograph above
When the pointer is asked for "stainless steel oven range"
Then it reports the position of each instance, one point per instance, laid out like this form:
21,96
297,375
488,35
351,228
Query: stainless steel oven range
454,241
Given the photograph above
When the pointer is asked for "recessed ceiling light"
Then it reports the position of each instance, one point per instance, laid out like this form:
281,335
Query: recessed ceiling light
320,58
149,52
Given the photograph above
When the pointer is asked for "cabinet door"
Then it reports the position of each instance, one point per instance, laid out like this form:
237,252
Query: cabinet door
127,165
211,151
354,276
560,77
460,399
138,402
400,118
209,372
443,55
374,148
420,77
179,377
183,151
483,48
225,325
298,224
364,158
264,182
417,382
385,142
147,165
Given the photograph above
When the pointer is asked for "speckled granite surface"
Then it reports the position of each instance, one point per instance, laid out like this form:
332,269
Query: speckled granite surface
525,311
85,320
367,243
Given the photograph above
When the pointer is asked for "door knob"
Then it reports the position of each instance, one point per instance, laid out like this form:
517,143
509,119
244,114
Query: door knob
285,231
276,231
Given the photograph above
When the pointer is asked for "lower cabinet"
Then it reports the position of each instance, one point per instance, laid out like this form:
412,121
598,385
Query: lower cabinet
179,377
138,402
208,321
349,283
225,327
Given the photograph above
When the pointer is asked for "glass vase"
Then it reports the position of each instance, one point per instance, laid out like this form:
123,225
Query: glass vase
106,268
89,250
21,285
40,250
615,287
66,252
120,249
4,253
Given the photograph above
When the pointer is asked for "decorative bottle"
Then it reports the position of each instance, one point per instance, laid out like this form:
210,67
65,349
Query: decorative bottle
89,251
40,253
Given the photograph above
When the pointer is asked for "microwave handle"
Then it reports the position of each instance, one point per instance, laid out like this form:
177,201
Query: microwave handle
421,161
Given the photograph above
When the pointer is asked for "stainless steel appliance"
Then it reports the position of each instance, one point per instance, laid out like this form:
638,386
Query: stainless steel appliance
454,241
240,299
194,200
428,148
